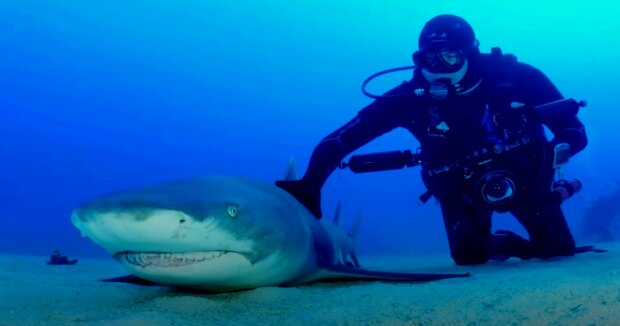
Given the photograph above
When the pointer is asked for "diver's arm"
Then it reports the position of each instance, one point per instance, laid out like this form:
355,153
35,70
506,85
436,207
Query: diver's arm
569,130
332,149
371,122
566,128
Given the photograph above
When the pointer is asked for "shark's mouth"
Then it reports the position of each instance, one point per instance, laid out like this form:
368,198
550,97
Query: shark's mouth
167,259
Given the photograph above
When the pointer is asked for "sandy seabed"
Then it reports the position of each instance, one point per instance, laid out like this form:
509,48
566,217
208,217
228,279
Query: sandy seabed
581,290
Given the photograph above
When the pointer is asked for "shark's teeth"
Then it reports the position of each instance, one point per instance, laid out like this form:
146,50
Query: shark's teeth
145,259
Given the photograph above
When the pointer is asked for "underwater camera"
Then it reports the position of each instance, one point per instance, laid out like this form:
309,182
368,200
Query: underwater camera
495,185
496,188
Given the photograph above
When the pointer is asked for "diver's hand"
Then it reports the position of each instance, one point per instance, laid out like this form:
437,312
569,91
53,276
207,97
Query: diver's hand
305,193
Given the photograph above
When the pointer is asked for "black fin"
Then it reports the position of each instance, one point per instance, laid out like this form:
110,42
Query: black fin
344,274
582,249
131,279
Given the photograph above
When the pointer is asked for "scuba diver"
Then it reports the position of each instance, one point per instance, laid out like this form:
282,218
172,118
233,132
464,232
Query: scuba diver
479,119
57,258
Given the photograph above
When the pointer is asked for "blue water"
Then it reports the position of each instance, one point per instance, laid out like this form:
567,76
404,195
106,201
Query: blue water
98,96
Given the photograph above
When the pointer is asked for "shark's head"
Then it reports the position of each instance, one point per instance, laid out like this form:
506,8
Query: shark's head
216,233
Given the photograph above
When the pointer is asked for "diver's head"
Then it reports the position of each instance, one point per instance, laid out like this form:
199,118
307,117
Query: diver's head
445,45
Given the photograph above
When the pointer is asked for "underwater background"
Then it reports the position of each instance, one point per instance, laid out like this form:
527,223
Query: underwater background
98,96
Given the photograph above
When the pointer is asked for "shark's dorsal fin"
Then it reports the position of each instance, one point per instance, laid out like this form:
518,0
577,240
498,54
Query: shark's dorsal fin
291,173
337,214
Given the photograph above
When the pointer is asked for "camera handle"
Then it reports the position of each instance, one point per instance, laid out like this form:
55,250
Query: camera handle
391,160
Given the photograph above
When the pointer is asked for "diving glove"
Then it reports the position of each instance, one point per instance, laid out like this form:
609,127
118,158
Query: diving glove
305,193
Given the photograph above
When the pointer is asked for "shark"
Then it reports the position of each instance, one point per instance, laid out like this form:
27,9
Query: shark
224,233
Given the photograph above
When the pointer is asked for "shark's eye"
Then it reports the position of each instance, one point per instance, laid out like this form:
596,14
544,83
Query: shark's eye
233,210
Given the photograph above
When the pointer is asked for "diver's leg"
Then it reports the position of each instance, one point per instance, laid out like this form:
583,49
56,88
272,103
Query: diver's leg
541,215
468,228
546,226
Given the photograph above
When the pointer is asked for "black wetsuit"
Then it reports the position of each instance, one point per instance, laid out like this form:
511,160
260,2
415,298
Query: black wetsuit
456,130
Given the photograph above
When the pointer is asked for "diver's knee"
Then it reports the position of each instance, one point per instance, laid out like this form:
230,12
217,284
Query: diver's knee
469,246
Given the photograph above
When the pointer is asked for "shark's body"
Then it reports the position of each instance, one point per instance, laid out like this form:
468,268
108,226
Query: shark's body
221,234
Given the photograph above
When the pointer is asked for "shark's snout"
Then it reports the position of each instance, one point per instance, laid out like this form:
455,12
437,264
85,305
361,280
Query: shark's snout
137,229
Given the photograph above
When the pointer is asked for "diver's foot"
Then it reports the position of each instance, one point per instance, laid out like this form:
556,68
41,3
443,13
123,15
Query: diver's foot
582,249
506,244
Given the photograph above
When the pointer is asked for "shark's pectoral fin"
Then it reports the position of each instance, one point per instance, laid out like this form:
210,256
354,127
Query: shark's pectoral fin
129,279
343,273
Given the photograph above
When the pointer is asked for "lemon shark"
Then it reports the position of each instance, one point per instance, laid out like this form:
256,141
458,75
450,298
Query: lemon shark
224,233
